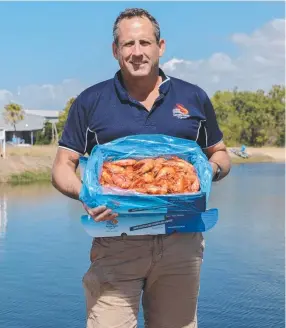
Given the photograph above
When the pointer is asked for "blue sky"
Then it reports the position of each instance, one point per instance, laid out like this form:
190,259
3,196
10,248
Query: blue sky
44,43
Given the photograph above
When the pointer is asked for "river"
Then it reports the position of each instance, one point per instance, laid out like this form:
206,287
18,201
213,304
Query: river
44,251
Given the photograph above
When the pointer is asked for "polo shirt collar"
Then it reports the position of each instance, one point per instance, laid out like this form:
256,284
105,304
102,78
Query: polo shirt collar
122,92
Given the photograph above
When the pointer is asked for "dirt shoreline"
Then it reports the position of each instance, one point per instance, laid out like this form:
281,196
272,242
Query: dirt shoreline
263,154
28,164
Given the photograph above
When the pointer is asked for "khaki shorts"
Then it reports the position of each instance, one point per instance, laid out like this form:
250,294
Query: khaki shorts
165,268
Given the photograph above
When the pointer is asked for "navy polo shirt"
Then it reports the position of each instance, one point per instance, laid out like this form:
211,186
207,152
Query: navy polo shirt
105,111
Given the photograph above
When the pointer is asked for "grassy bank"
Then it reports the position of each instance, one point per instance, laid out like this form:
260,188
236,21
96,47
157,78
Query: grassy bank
34,164
29,177
27,164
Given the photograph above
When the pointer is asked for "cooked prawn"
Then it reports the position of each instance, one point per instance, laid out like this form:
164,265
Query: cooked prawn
121,181
125,162
144,165
181,163
148,177
153,189
165,171
129,172
178,186
195,185
177,164
192,183
106,177
158,164
113,168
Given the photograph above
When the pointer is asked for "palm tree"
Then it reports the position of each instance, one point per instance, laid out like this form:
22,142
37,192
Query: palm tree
13,114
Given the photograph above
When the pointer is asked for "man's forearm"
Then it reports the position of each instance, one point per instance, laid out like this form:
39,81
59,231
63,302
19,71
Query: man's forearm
65,180
221,158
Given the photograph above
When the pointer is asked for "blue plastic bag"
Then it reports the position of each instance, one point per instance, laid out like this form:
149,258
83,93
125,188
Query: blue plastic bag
137,147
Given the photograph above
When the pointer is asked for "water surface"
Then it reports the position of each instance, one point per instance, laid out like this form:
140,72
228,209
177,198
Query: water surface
44,253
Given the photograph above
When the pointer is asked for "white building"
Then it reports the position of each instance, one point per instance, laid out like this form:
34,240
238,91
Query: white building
50,115
33,122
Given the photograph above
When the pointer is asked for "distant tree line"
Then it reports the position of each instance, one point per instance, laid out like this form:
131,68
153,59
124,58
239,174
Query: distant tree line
252,118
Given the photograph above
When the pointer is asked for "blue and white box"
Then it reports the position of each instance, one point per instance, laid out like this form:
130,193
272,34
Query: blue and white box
147,214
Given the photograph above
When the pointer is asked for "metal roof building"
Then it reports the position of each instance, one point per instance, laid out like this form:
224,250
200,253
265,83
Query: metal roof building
25,129
50,115
33,121
30,123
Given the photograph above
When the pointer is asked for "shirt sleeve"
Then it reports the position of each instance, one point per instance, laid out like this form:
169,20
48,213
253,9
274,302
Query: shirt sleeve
209,133
75,128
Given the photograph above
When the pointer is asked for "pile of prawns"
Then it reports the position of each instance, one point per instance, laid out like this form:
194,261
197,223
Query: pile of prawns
151,175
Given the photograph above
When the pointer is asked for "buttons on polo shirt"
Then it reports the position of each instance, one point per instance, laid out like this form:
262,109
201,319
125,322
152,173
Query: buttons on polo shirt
150,125
149,121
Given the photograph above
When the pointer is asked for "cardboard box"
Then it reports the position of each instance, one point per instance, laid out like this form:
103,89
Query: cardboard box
151,223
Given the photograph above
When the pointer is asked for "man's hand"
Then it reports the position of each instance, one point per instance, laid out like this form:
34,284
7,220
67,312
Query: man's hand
100,213
218,155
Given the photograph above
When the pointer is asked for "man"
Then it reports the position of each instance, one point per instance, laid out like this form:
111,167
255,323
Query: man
139,99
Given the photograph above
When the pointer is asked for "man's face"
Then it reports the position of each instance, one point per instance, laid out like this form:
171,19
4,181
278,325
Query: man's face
137,51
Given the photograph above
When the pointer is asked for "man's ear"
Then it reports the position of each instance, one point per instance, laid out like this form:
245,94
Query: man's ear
162,47
115,50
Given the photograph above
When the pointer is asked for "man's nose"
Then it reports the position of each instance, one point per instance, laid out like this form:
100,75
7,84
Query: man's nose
137,49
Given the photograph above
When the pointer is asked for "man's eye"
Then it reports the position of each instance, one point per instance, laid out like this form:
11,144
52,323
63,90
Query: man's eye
144,43
128,44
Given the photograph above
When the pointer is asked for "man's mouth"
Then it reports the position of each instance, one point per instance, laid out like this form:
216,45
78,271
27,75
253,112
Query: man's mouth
135,63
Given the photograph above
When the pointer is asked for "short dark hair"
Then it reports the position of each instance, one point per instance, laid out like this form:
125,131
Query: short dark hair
135,12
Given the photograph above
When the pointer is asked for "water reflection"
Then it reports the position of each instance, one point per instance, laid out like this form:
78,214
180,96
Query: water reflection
3,216
30,203
27,192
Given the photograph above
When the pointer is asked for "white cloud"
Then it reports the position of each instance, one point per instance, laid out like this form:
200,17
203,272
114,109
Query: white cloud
45,96
260,63
5,96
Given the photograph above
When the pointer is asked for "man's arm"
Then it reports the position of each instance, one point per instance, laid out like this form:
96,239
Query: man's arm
219,158
65,180
64,177
210,138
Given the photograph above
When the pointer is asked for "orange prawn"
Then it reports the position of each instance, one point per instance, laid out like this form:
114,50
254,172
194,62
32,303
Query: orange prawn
195,185
121,181
178,186
177,164
158,164
181,163
144,165
153,189
192,183
106,177
148,177
165,171
113,168
125,162
129,172
142,180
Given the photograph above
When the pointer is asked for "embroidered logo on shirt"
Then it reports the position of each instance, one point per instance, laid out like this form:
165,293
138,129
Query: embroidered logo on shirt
180,112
